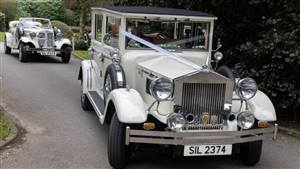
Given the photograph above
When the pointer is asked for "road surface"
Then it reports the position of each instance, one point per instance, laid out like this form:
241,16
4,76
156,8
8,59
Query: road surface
44,95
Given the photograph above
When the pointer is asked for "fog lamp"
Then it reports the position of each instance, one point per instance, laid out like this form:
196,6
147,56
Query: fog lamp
175,121
245,120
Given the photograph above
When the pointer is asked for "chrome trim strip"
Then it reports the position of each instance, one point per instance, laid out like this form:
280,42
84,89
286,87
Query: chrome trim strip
196,137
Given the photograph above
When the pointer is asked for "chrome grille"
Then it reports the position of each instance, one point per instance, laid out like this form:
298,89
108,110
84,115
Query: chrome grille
198,98
45,40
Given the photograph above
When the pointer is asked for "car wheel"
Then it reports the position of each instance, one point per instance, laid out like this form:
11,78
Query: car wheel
85,102
22,53
250,152
7,49
118,152
66,54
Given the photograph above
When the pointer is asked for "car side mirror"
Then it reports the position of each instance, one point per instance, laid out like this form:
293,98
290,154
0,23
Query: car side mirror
87,39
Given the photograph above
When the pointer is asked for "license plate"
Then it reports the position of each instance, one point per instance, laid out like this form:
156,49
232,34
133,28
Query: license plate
207,150
47,52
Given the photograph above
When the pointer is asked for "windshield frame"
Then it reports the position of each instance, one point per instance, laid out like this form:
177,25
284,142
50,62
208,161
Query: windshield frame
172,20
22,20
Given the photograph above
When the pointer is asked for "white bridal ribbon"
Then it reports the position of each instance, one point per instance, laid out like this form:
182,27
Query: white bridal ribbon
161,50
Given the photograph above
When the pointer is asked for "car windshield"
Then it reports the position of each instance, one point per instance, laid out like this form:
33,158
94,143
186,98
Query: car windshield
169,34
35,22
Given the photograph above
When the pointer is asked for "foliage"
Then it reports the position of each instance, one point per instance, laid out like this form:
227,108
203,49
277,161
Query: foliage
4,127
9,9
65,29
51,9
2,21
2,36
81,53
260,39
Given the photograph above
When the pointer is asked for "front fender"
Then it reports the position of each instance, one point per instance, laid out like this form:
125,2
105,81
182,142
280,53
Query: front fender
61,42
8,37
260,105
28,40
85,74
129,105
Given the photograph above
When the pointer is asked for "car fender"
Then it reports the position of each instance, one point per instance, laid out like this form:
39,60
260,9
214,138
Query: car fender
61,42
260,105
28,40
129,105
86,75
8,37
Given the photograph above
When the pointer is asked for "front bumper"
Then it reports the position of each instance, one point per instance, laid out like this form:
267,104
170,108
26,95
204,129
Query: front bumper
197,137
42,50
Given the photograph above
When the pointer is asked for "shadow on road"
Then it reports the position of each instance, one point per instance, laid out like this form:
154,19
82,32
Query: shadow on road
39,59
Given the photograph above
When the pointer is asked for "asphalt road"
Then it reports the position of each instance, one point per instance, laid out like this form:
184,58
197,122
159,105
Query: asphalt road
44,95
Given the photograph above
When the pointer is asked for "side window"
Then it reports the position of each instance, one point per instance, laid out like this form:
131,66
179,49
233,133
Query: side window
112,31
98,27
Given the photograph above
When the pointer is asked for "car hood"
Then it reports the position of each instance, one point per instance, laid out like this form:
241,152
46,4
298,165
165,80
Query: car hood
167,67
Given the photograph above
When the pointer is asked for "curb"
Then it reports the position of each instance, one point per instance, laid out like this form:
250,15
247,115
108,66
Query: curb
289,131
13,133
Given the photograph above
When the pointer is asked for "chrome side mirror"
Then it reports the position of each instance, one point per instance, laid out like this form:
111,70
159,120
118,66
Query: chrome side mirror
87,39
218,56
107,39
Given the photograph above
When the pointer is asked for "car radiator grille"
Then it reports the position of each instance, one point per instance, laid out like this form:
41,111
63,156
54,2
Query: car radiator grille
199,99
45,40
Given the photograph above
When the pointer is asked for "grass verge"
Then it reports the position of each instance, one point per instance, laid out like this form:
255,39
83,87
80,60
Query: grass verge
4,126
81,53
2,36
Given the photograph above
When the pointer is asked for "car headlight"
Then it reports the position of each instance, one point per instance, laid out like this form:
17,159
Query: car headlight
175,121
58,36
246,88
32,35
245,120
161,89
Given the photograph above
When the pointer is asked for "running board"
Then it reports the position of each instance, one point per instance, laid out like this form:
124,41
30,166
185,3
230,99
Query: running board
97,102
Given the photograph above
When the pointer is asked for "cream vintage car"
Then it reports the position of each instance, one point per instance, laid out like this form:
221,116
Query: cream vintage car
151,77
36,36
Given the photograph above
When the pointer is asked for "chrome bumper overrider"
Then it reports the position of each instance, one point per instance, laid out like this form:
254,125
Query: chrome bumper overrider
197,137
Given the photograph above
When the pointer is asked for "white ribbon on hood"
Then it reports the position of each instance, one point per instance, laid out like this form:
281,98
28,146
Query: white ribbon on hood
161,50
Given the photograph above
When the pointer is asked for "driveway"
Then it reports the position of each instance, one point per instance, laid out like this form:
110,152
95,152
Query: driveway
44,95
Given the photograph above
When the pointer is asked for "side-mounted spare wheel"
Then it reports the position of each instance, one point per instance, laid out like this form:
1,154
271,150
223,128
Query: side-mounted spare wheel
7,49
118,151
66,54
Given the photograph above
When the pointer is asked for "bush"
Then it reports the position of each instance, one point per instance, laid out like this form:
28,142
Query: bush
51,9
2,22
65,29
80,45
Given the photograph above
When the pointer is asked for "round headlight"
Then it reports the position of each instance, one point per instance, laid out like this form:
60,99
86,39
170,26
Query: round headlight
246,88
58,35
161,89
245,120
175,121
32,35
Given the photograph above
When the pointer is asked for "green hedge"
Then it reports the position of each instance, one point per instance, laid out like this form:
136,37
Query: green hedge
65,29
2,22
51,9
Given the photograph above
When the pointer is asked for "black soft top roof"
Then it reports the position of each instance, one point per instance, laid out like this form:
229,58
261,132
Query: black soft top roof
158,10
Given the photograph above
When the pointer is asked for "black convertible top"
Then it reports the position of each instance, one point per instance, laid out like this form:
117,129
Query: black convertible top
158,10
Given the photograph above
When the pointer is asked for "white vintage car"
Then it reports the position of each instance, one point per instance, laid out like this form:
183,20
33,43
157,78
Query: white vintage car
151,77
36,36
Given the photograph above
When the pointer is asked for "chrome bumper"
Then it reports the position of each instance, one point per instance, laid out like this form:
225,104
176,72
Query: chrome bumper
197,137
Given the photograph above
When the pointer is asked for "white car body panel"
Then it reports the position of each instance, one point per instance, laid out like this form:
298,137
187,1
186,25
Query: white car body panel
129,106
9,38
61,42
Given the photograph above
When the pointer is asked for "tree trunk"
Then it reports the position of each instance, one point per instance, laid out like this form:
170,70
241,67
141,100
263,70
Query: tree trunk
82,21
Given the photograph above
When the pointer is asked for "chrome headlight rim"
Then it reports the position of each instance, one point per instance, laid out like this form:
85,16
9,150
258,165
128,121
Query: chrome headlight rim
154,85
32,35
176,121
240,88
242,124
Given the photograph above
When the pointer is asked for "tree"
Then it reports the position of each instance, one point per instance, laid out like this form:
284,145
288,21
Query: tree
85,6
